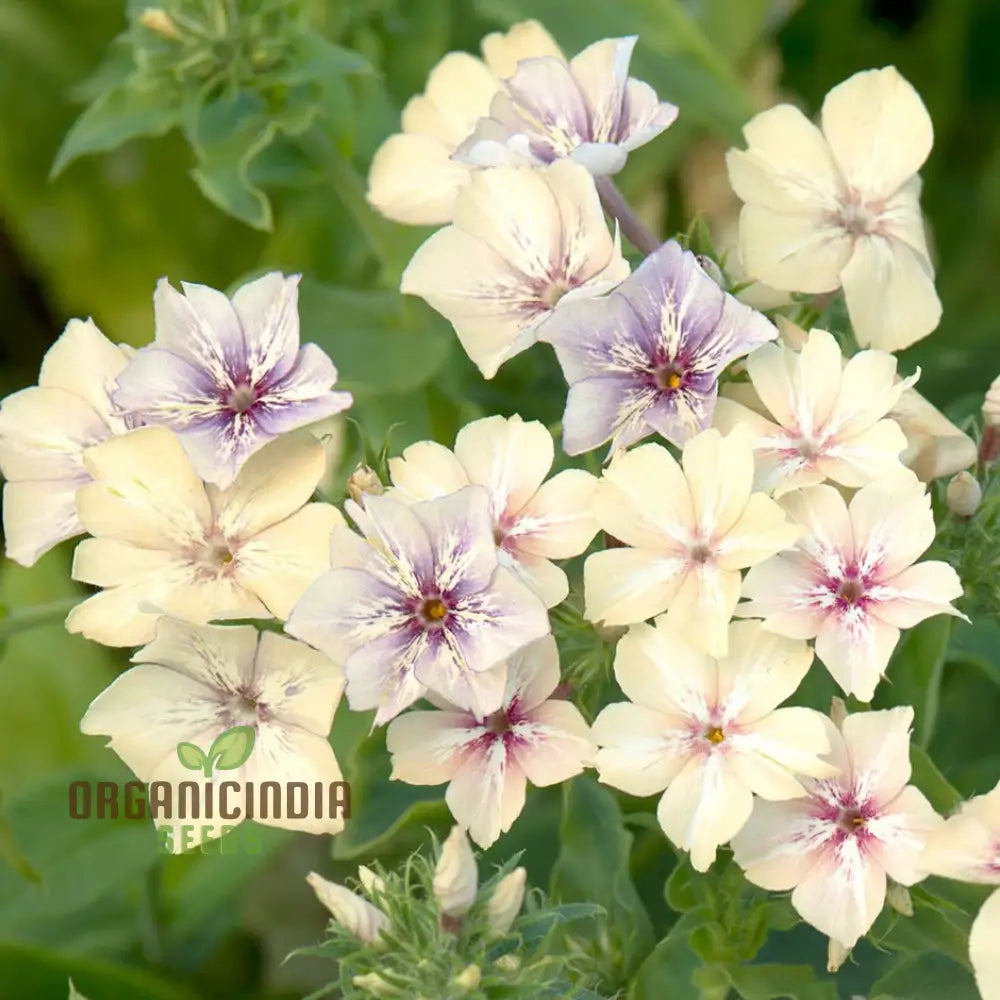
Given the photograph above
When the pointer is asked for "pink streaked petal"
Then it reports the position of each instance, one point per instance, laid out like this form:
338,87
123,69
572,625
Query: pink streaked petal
893,525
552,744
427,747
829,537
558,522
878,744
919,592
901,833
856,647
487,794
704,806
641,750
785,591
779,844
843,893
532,674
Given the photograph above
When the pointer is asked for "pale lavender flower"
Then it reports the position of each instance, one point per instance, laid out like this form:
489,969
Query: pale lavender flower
228,376
419,603
589,110
648,356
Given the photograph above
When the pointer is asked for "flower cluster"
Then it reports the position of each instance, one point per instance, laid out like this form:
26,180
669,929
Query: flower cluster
778,515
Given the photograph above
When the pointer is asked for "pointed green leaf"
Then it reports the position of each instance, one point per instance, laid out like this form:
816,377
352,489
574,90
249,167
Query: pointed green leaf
232,748
191,756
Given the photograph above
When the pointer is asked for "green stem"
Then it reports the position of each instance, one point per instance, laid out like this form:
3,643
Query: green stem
35,616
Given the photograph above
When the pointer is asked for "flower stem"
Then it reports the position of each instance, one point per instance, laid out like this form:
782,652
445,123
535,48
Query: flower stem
23,619
617,207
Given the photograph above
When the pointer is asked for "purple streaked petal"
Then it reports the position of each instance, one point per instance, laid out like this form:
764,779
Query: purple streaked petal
678,415
740,331
403,551
601,73
277,417
447,671
605,407
382,675
460,532
268,311
645,115
199,326
160,387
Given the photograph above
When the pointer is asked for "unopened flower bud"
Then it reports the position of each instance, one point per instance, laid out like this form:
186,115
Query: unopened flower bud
364,479
455,878
712,269
963,494
991,404
508,963
371,882
374,985
836,955
363,920
505,903
158,21
838,711
898,897
468,979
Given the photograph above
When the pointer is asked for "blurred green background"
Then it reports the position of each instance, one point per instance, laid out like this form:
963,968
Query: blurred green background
92,899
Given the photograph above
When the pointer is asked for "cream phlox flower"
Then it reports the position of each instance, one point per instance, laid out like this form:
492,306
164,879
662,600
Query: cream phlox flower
840,207
44,431
194,682
827,417
836,846
164,542
413,178
967,848
365,921
456,880
420,602
689,528
534,520
934,445
851,581
524,242
489,755
709,730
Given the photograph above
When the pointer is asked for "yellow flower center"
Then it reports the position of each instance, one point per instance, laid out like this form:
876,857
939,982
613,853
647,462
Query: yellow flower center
434,609
715,735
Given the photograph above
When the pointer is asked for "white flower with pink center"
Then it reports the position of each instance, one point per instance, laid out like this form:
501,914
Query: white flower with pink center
837,847
823,418
851,581
709,730
534,521
967,848
488,755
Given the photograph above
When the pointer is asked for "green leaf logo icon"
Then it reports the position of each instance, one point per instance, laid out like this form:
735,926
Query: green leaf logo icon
229,750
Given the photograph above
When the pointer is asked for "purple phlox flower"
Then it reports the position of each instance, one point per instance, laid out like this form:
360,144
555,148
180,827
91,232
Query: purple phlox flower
420,603
589,110
228,376
648,356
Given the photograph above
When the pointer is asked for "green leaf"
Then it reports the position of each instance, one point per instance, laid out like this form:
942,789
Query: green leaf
979,643
593,866
772,982
668,970
115,117
11,853
929,974
191,756
41,973
315,58
916,671
941,794
232,748
381,342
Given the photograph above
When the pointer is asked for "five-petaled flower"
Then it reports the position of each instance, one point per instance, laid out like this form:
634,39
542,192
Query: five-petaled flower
489,753
194,682
413,178
689,529
588,110
966,847
709,730
824,419
44,431
166,543
228,376
646,358
840,207
524,243
420,602
837,846
533,521
850,582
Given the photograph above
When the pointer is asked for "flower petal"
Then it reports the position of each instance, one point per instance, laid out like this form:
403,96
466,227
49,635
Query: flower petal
426,470
487,794
553,744
639,752
427,747
622,586
878,744
983,950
